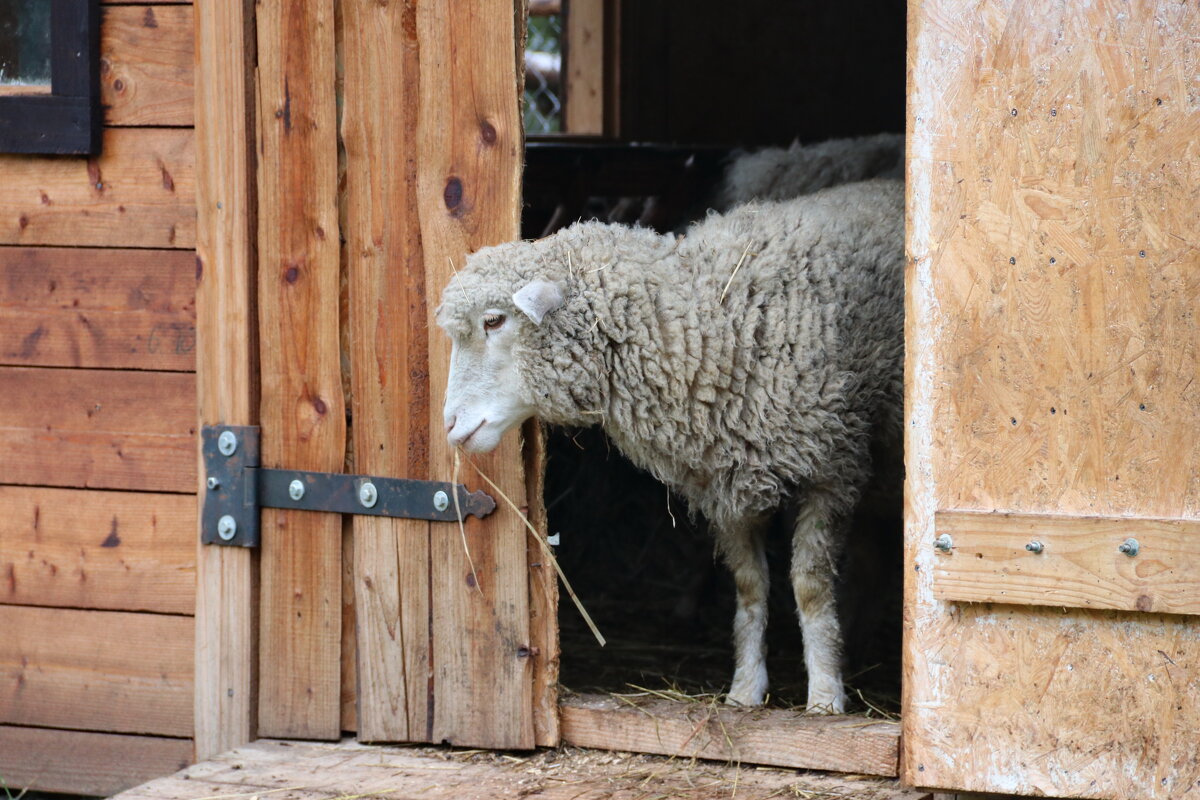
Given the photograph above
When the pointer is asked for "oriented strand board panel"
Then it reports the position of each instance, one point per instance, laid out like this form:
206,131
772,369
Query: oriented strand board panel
1052,341
139,192
96,670
89,549
146,65
100,429
75,762
84,307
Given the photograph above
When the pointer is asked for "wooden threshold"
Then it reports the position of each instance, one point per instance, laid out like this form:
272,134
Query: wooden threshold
775,737
277,770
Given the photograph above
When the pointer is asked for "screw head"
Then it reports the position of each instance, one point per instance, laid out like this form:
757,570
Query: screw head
213,483
368,495
227,443
1129,547
227,527
1035,547
944,543
296,490
441,501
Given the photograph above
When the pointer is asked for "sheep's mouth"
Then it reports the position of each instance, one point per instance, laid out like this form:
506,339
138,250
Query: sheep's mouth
466,439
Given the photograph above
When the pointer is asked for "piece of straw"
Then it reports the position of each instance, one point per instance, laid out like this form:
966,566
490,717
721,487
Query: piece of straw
462,529
735,272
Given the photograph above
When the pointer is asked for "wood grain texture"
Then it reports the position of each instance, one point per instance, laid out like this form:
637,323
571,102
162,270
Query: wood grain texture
140,192
469,150
389,361
103,429
226,701
1079,566
302,412
96,670
1052,236
82,307
543,595
768,736
583,81
88,549
147,59
98,764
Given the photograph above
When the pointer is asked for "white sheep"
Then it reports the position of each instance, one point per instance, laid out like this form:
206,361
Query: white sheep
746,365
779,173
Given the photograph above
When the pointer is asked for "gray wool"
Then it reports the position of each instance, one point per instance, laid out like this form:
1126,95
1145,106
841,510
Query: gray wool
741,364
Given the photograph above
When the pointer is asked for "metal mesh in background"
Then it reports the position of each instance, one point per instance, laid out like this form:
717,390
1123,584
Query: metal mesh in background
543,71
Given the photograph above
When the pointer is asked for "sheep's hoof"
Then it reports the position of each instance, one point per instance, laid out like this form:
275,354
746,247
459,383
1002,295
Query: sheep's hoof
744,698
827,702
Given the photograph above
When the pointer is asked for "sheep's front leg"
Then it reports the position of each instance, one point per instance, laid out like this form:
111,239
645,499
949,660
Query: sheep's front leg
815,548
742,546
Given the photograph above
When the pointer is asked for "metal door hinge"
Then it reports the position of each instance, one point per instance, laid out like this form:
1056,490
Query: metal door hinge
236,488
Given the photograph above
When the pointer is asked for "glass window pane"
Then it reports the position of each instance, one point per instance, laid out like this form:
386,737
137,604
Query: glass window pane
25,42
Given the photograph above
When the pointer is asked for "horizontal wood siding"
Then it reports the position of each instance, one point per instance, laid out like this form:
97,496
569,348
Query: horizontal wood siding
96,670
146,65
106,550
106,429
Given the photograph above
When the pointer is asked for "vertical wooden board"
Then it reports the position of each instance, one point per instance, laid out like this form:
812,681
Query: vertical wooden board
469,148
146,65
389,364
583,112
543,595
302,412
1051,370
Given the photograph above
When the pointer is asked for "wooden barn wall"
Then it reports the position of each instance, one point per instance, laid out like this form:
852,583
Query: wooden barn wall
1053,356
760,73
97,430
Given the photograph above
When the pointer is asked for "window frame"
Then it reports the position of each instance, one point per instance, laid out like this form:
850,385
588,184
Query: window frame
68,120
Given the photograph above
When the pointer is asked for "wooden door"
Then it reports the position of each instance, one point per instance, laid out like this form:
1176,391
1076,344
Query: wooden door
1052,398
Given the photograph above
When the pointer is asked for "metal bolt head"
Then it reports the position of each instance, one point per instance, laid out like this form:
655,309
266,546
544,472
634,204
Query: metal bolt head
944,543
368,495
227,527
213,484
1035,546
227,443
441,501
296,490
1129,547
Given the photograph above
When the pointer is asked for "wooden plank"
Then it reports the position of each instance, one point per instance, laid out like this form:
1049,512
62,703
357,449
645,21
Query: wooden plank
766,736
139,192
81,307
74,762
469,145
226,699
1051,371
389,365
1078,567
104,429
302,412
583,82
87,549
543,596
96,670
146,65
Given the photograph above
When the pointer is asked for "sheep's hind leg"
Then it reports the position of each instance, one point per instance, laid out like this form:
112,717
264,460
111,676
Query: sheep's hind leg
742,546
815,547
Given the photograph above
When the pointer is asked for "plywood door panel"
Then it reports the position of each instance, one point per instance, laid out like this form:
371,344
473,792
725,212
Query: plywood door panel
104,429
146,65
1052,362
96,670
88,549
84,307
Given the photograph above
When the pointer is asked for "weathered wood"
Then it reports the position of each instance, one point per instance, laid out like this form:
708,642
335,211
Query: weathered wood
1052,361
140,192
1078,567
79,307
75,762
543,595
146,65
96,670
469,144
583,109
302,411
389,364
766,736
88,549
105,429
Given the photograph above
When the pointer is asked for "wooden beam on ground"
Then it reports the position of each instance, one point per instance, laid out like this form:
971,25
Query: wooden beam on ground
747,736
227,382
583,86
302,413
147,57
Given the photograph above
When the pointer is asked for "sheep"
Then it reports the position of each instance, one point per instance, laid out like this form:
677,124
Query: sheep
746,365
778,173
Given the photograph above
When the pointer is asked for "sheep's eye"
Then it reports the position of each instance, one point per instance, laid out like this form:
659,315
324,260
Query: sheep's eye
492,322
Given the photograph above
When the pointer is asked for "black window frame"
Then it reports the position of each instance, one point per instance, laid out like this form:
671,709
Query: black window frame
67,120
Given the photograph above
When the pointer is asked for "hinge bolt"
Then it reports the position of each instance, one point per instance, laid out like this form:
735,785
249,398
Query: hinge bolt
213,484
1035,547
227,527
368,494
296,490
227,443
441,501
944,543
1129,547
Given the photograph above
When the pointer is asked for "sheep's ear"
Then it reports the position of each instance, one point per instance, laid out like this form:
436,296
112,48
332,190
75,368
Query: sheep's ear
539,298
